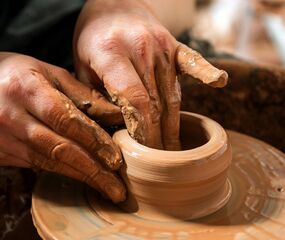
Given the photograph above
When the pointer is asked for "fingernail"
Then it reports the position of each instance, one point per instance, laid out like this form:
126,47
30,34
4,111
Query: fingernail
115,192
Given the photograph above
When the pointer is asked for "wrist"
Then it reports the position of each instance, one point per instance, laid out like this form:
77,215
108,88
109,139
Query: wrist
114,6
176,16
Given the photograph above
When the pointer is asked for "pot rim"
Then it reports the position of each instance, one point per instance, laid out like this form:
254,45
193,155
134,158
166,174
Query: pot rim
216,146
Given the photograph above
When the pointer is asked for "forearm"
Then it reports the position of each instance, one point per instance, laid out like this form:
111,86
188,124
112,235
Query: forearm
176,16
103,7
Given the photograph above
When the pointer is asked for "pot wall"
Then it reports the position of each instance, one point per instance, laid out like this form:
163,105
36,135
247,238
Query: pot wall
182,184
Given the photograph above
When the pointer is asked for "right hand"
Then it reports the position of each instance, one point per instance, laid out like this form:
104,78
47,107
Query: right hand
121,48
41,127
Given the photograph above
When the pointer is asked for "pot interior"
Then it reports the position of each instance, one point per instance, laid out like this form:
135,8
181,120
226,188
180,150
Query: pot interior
193,133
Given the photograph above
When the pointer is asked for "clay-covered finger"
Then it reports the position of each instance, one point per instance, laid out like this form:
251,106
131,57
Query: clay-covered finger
145,68
88,100
55,153
58,112
127,91
148,79
170,95
192,63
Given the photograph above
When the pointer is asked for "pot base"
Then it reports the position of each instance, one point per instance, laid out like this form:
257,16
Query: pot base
62,209
157,213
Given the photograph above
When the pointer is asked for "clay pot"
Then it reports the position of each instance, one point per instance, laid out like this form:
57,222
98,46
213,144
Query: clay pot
185,184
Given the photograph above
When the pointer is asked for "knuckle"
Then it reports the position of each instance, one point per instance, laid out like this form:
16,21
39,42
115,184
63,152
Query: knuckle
30,84
9,116
157,107
33,134
61,71
139,99
163,38
109,43
174,102
62,151
64,123
92,177
143,35
155,110
142,43
23,84
13,87
62,116
156,117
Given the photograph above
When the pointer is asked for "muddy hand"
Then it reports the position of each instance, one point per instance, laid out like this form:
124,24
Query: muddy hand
41,127
120,47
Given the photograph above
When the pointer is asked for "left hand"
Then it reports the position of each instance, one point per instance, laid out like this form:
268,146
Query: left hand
42,127
121,47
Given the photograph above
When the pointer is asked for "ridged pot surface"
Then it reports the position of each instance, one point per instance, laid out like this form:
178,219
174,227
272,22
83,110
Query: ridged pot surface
184,184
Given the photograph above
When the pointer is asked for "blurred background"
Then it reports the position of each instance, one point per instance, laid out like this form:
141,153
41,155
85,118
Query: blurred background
250,29
253,30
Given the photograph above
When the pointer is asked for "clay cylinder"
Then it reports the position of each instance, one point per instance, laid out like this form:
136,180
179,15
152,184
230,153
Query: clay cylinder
185,184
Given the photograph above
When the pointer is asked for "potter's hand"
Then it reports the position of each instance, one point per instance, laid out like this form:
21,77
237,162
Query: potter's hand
40,127
121,47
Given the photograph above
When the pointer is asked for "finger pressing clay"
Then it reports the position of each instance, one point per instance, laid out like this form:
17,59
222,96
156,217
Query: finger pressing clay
134,120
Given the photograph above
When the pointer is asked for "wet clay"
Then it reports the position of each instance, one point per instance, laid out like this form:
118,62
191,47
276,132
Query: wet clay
256,209
178,184
133,120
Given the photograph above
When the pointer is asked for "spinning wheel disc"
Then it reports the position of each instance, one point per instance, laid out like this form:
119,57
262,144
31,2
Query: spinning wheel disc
66,209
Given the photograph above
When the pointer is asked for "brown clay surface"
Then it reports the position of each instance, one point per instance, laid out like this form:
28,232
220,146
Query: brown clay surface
62,208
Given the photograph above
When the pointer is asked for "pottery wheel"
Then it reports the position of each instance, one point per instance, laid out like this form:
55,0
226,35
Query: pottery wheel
66,209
